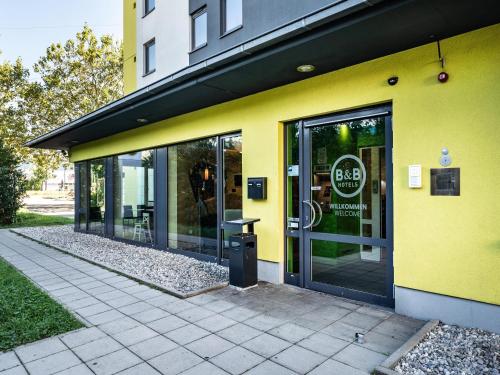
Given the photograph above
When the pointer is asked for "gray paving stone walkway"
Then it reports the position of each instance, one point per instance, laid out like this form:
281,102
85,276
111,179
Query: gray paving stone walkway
133,329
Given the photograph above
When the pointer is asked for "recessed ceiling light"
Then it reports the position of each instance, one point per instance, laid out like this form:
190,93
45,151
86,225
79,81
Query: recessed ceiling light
142,120
306,68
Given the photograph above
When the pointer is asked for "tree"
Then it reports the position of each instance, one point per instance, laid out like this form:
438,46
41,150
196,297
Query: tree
12,185
74,78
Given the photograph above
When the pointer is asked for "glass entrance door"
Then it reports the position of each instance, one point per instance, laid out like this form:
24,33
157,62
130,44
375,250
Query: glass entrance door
339,217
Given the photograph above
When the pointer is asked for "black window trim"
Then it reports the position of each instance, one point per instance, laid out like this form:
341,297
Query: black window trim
145,11
146,45
223,20
197,13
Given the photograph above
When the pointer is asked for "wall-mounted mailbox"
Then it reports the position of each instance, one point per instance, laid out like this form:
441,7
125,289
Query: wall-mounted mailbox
445,181
257,187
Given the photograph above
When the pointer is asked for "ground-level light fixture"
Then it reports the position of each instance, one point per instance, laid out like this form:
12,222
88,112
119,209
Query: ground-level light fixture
306,68
142,120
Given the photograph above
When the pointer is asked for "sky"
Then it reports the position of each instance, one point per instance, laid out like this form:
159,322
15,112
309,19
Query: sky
28,27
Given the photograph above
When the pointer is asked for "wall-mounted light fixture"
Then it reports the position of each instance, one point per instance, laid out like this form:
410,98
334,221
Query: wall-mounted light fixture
443,76
306,68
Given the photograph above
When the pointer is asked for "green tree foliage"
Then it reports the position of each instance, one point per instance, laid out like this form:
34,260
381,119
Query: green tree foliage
71,79
12,185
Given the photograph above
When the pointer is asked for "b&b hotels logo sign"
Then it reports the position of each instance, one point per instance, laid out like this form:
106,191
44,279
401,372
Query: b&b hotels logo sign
348,176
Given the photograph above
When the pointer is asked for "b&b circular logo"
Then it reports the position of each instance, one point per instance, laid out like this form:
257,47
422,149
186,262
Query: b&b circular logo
348,176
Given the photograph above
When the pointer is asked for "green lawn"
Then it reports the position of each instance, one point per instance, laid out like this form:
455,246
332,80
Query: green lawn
30,219
26,313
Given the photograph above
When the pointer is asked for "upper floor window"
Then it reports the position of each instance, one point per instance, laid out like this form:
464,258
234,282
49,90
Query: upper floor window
149,57
149,6
199,29
232,15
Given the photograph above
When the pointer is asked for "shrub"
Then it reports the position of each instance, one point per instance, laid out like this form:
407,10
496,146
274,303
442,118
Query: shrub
12,185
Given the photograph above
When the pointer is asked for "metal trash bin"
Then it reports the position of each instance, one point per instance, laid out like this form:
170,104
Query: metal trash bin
243,260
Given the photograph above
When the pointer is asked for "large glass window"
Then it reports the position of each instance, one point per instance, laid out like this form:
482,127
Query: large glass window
192,196
233,184
199,29
232,15
83,195
134,196
96,196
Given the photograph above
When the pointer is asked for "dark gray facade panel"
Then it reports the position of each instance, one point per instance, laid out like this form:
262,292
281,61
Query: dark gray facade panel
259,17
160,170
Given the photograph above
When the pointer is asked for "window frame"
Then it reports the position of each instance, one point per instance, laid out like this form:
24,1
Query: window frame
223,17
146,68
146,11
198,13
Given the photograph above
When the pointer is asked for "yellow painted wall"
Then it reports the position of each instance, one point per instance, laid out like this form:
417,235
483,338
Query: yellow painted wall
446,245
129,45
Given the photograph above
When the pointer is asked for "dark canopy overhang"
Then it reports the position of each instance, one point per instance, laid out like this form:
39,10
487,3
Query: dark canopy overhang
347,33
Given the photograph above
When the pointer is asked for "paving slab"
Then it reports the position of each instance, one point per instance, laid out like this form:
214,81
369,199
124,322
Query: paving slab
360,358
39,349
215,323
195,314
167,324
291,332
114,362
186,334
205,368
119,325
331,367
8,360
140,369
175,361
323,344
268,367
135,335
53,363
150,315
82,336
18,370
266,345
239,333
299,359
77,370
237,360
153,347
97,348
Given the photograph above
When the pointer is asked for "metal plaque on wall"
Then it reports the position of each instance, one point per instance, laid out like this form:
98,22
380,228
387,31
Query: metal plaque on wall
445,181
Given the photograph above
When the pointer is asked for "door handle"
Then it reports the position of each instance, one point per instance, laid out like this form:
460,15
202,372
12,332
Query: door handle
320,211
313,214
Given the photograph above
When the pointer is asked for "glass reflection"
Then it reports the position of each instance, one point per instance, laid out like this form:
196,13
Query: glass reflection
192,196
233,14
96,196
348,177
233,185
354,266
82,209
134,196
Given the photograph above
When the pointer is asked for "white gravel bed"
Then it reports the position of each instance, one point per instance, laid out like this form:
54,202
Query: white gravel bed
451,350
172,271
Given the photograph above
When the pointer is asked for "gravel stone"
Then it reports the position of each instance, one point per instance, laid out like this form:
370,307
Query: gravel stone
173,271
452,350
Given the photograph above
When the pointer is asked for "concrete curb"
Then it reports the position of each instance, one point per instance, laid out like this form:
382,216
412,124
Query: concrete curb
387,367
149,283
